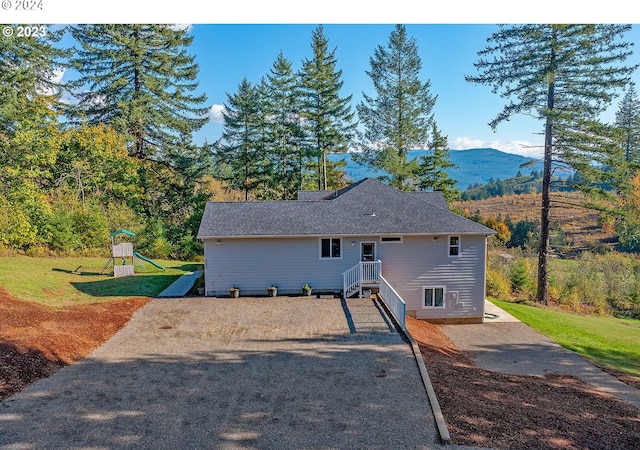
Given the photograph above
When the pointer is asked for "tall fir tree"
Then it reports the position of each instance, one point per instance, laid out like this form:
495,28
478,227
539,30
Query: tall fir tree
141,80
564,75
285,137
328,118
432,167
398,118
240,151
628,121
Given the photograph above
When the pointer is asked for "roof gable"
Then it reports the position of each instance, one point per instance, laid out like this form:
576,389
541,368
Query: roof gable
368,207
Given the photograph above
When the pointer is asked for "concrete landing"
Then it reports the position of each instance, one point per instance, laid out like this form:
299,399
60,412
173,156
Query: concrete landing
182,285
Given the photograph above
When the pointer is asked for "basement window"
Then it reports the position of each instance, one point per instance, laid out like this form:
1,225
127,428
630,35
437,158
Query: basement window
433,296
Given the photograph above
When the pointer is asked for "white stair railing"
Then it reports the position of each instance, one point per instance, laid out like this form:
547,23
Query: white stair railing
370,271
350,279
363,272
394,302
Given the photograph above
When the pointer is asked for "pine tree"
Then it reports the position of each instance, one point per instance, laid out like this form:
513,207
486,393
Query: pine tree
564,75
327,116
432,167
398,118
140,80
241,147
628,120
285,138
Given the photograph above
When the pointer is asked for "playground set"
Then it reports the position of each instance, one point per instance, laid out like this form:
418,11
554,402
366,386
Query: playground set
122,250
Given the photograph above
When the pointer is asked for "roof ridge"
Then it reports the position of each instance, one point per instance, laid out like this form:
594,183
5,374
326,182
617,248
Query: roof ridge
345,189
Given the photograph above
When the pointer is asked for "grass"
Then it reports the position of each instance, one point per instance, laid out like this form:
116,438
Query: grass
606,341
58,282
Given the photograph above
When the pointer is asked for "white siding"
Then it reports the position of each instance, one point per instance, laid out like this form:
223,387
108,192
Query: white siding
289,263
254,264
423,261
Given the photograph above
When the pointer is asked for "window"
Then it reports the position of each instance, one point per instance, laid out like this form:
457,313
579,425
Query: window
386,239
330,248
433,297
454,245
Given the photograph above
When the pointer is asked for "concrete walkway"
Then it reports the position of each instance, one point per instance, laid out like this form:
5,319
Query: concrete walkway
182,285
504,344
248,373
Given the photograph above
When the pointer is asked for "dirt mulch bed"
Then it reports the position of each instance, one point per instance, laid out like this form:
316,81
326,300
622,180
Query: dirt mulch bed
490,409
35,341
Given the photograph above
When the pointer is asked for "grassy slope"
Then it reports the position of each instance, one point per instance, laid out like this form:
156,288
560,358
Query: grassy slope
54,281
606,341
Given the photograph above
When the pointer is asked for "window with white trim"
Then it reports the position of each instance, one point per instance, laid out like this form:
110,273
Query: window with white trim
454,245
388,239
330,248
433,296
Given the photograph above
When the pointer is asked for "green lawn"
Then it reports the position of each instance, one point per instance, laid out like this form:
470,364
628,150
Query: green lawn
609,342
63,281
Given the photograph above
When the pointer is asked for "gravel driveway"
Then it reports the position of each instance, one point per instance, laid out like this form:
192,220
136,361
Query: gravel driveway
245,373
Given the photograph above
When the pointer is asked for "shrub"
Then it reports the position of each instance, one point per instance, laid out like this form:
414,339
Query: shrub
519,276
498,284
63,238
90,226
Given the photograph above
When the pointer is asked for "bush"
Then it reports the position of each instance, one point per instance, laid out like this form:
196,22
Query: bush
520,277
602,284
90,226
63,238
498,284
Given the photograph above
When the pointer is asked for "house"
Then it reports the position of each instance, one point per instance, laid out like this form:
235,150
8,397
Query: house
365,235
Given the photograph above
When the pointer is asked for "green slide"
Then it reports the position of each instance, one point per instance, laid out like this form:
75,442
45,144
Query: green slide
144,258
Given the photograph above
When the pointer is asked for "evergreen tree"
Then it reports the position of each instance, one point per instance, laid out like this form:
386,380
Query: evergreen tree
564,75
140,80
284,143
241,147
397,119
432,167
328,118
628,120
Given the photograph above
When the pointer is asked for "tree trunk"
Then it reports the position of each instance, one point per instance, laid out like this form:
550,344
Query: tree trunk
542,295
543,252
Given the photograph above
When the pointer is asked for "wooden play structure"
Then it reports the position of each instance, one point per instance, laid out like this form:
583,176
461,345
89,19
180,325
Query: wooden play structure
122,250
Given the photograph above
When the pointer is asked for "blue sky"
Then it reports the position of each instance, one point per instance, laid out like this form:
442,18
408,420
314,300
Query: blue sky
234,42
227,53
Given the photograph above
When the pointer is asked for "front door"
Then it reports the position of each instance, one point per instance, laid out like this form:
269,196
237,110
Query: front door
367,251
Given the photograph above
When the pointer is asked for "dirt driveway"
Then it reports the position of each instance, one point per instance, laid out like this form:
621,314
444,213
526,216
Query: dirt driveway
243,373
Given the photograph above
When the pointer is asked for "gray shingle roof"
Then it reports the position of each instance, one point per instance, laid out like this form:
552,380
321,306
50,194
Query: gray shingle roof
368,207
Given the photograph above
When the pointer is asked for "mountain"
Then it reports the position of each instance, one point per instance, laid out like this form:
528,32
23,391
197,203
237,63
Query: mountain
475,166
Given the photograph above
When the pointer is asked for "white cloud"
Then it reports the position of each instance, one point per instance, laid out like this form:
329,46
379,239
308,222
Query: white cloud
58,74
56,78
523,148
181,26
215,114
